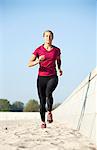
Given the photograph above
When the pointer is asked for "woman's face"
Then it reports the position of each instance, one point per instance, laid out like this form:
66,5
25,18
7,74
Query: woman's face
48,37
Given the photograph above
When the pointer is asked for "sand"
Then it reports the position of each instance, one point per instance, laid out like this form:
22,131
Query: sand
27,135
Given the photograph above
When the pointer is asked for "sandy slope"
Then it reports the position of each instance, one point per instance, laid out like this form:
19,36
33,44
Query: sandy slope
27,135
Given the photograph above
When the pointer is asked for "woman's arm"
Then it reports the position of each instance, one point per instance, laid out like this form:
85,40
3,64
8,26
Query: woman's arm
59,65
34,61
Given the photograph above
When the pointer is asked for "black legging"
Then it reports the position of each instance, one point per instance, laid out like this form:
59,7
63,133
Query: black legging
46,85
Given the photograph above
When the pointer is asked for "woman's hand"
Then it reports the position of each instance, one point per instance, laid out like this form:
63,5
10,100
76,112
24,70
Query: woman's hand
41,58
60,72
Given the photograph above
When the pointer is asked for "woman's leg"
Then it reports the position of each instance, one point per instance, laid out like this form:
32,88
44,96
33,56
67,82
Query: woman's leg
51,85
41,86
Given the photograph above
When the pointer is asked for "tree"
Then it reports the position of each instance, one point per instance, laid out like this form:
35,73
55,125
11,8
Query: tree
17,106
32,106
4,105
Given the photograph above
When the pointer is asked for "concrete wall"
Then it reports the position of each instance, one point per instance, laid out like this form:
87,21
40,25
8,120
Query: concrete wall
80,108
5,116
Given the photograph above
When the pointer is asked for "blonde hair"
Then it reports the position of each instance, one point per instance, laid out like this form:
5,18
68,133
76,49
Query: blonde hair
50,32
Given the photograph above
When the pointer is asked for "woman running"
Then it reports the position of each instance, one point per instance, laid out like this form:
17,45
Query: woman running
47,56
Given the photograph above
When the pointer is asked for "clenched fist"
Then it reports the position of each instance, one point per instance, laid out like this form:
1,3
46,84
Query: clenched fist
41,58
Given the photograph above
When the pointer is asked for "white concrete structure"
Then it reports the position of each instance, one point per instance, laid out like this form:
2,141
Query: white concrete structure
80,108
19,116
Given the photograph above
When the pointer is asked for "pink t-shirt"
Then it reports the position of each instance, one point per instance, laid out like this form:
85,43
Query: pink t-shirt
48,66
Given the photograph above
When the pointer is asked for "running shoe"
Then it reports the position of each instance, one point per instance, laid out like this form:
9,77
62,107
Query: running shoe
43,125
49,117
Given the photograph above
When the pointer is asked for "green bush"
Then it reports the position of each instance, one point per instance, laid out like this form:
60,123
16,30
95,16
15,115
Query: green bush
17,106
31,106
4,105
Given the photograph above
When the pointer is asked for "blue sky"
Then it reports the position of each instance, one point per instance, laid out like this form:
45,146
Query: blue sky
22,23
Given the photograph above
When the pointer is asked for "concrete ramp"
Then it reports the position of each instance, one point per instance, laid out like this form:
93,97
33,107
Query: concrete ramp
79,110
